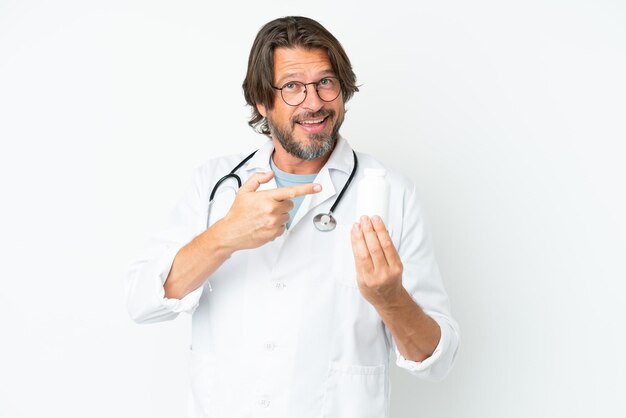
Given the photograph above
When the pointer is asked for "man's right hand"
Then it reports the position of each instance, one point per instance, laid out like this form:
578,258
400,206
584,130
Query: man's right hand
257,217
254,219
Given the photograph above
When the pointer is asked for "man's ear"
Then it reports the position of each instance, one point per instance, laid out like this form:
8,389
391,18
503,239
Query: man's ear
261,109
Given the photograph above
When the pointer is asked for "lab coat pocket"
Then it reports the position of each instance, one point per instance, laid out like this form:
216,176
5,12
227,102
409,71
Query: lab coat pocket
202,376
355,391
344,270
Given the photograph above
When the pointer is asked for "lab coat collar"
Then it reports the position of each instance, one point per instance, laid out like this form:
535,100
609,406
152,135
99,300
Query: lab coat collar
261,160
341,158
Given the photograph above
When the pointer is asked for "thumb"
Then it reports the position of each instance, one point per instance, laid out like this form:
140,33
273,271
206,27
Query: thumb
255,180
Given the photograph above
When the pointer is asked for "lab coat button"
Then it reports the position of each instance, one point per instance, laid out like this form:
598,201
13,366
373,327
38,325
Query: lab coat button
264,403
270,346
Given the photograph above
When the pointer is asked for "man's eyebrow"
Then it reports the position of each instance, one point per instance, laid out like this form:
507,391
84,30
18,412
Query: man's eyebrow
294,76
287,77
330,71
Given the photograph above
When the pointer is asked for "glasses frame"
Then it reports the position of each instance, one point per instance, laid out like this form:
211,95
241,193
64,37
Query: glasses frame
306,90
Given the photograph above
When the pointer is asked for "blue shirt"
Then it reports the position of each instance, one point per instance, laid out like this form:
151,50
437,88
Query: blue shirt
286,179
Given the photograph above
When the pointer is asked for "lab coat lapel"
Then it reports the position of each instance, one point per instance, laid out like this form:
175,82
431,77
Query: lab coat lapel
311,201
261,162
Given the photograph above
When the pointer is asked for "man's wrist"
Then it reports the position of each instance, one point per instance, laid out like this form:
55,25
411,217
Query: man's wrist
393,302
215,241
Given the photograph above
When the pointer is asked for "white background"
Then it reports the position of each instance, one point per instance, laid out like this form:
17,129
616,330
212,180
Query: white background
509,116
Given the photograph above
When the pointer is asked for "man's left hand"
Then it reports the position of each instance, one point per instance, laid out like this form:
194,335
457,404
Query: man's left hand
378,265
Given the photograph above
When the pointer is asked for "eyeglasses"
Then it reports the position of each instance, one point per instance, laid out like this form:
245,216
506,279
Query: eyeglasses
294,92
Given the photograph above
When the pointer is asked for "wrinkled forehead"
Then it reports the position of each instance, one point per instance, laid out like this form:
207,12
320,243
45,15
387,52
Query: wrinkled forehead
301,64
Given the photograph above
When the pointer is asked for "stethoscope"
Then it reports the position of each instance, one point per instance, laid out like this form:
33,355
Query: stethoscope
323,221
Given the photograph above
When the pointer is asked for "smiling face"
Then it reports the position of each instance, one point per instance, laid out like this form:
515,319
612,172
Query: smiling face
307,131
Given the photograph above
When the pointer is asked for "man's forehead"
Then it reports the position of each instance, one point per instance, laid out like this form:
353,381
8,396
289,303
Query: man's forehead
298,61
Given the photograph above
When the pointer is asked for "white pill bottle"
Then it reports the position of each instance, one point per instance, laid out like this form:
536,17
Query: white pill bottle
373,194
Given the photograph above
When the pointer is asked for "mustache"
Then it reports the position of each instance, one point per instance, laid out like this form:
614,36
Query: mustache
322,113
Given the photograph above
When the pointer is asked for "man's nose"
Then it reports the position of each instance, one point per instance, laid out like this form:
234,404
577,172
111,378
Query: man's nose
312,100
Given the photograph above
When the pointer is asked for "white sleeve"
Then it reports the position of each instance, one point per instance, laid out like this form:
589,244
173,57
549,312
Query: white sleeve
421,278
145,296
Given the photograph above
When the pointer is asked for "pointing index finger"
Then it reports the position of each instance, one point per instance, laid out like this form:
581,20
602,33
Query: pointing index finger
284,193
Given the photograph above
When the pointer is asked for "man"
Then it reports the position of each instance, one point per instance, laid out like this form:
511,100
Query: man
288,320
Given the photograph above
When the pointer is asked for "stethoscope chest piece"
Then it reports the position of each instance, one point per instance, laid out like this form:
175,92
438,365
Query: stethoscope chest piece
324,222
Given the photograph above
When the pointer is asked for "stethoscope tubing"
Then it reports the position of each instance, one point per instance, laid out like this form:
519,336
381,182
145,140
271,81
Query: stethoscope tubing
230,175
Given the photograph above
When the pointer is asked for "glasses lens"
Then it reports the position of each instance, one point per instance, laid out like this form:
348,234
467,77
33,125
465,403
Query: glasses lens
328,89
293,93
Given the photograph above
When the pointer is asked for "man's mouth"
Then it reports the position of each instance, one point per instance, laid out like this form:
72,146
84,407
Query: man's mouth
313,125
312,121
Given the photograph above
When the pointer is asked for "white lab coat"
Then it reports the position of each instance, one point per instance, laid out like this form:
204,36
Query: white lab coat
282,330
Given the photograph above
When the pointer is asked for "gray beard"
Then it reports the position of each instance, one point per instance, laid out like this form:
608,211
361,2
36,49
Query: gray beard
319,145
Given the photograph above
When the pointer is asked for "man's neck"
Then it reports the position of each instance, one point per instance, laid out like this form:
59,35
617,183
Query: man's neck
294,165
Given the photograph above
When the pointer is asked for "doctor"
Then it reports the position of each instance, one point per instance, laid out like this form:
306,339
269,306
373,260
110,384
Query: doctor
289,321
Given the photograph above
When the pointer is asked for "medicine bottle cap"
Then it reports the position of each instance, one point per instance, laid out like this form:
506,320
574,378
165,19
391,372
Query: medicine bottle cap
375,172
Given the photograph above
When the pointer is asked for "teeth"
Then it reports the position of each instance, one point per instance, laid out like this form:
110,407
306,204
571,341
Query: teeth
310,122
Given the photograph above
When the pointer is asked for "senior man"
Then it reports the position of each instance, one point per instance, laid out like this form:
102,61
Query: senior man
291,319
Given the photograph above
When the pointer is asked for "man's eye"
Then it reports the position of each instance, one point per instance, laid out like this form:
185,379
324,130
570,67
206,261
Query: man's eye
290,86
325,82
